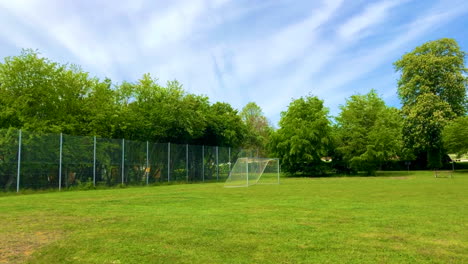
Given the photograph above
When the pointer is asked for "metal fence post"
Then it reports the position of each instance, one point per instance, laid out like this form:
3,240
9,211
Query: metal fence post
186,161
247,170
19,162
278,171
123,159
94,162
60,162
169,161
147,162
217,165
203,162
229,159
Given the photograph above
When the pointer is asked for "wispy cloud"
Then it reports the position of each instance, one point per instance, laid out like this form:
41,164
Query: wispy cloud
371,17
234,51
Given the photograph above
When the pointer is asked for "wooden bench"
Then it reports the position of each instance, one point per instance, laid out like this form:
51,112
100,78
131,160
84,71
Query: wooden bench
443,174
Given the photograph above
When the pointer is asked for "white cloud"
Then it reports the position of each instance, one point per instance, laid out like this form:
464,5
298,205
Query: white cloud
264,54
337,82
371,16
66,29
333,87
210,47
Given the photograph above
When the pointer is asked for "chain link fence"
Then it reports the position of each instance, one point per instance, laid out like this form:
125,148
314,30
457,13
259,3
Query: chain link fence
41,161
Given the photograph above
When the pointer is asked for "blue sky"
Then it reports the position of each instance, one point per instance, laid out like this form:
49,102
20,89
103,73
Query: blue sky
237,51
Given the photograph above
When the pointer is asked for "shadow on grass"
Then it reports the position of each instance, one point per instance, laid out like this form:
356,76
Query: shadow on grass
26,191
377,174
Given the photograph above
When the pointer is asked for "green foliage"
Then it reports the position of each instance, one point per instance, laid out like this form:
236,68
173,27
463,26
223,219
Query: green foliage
8,158
258,128
425,121
304,136
434,158
436,67
455,136
44,96
224,126
164,114
432,89
87,185
368,132
101,113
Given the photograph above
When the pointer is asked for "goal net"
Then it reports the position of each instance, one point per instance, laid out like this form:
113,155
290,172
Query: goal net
251,171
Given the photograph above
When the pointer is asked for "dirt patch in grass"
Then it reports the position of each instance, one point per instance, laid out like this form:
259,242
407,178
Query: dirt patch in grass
17,247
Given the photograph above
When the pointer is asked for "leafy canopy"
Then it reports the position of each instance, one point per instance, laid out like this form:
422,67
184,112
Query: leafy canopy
368,132
455,136
432,89
304,136
258,128
44,96
436,67
41,95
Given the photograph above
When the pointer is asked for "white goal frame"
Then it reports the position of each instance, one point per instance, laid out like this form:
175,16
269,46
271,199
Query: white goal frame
240,176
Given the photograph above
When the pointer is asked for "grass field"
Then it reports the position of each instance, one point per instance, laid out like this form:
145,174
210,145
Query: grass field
392,218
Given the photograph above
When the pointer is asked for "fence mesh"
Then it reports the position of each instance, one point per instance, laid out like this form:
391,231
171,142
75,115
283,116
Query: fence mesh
195,163
178,163
39,160
224,163
135,162
158,162
108,161
8,159
77,160
64,161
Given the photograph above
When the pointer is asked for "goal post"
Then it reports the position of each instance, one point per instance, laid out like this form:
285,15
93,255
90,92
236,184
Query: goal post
251,171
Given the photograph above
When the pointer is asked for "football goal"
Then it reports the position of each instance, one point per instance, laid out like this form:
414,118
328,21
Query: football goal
251,171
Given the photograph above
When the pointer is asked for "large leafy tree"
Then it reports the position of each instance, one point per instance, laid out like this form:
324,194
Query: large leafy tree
432,89
424,124
149,111
44,96
224,127
100,110
303,137
258,128
455,136
38,94
368,132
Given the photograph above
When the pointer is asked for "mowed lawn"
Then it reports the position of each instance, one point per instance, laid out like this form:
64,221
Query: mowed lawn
392,218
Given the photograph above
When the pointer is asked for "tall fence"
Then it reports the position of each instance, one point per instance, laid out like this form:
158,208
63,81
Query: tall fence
38,161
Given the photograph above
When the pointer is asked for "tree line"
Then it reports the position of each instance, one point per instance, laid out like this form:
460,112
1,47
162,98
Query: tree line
368,134
40,95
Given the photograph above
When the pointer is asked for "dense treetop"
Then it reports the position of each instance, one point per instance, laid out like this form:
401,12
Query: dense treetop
304,136
432,88
436,67
44,96
368,132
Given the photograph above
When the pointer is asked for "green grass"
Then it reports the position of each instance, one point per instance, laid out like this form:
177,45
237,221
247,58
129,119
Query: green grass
392,218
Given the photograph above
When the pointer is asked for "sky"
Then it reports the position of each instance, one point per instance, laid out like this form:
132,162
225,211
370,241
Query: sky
237,51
